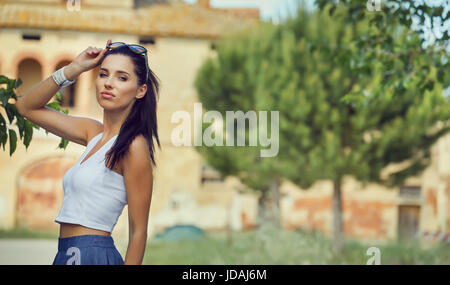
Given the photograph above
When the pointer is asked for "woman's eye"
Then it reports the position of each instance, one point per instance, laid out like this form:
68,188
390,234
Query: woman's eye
121,77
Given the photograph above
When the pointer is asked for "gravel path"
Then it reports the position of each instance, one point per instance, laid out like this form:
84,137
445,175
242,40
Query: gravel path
27,251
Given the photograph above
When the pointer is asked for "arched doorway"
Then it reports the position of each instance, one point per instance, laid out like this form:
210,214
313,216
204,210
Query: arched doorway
68,92
40,192
94,108
30,72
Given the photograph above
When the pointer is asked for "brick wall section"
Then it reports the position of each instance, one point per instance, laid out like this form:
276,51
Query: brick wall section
431,199
365,218
315,208
360,218
246,223
447,190
40,193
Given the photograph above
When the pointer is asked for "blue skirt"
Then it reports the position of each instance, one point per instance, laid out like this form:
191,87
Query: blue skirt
87,250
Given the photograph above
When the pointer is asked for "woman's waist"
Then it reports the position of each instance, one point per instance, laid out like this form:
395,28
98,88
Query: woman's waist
69,230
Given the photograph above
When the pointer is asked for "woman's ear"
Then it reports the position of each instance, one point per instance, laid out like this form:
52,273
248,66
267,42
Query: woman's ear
141,91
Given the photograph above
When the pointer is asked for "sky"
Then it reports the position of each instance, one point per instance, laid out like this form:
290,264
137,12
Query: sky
277,10
269,9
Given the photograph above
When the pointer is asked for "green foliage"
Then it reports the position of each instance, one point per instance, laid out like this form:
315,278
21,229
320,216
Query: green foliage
288,248
25,126
346,107
395,39
23,232
348,116
229,83
427,15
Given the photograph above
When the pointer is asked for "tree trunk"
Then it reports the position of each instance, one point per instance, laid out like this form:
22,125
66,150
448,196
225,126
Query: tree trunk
228,229
263,216
276,212
337,219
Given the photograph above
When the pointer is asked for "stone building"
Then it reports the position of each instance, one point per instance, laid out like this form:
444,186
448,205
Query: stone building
40,36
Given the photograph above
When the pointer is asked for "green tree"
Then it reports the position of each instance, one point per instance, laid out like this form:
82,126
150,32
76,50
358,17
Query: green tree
405,48
424,23
229,83
338,115
348,117
25,127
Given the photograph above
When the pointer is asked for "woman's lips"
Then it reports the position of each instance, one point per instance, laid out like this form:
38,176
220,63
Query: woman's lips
107,95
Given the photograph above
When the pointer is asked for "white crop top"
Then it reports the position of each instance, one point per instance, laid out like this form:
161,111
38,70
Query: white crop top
94,195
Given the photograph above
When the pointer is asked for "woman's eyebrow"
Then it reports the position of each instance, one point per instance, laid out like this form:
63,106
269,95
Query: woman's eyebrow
118,71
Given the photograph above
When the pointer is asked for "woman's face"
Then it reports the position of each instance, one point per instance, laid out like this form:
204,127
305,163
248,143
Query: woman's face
117,83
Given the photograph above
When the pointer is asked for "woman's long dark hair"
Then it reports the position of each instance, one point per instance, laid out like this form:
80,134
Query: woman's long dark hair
142,117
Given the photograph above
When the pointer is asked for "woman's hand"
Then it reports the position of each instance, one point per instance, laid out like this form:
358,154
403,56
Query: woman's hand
86,60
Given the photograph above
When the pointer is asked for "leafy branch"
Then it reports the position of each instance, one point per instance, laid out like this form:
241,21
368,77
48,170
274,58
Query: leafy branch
25,127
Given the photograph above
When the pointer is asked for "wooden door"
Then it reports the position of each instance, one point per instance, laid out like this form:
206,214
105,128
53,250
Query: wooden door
408,221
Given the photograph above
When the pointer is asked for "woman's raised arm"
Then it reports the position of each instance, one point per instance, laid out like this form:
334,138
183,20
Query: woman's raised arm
32,105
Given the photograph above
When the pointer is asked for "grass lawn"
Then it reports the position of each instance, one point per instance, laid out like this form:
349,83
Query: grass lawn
26,233
271,246
288,247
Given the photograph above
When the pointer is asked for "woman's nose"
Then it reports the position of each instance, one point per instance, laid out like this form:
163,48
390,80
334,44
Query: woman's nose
108,82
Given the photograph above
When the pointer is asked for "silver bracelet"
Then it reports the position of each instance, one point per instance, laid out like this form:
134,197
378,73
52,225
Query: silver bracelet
60,79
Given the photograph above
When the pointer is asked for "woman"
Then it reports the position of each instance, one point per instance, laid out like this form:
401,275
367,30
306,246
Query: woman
116,167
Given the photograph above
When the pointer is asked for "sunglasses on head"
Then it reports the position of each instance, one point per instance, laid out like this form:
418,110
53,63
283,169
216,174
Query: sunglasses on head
134,48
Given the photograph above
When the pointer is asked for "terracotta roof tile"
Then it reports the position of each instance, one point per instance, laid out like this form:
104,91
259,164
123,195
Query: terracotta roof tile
176,19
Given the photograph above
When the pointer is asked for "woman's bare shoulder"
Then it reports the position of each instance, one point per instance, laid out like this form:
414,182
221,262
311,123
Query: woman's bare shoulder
138,151
93,128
